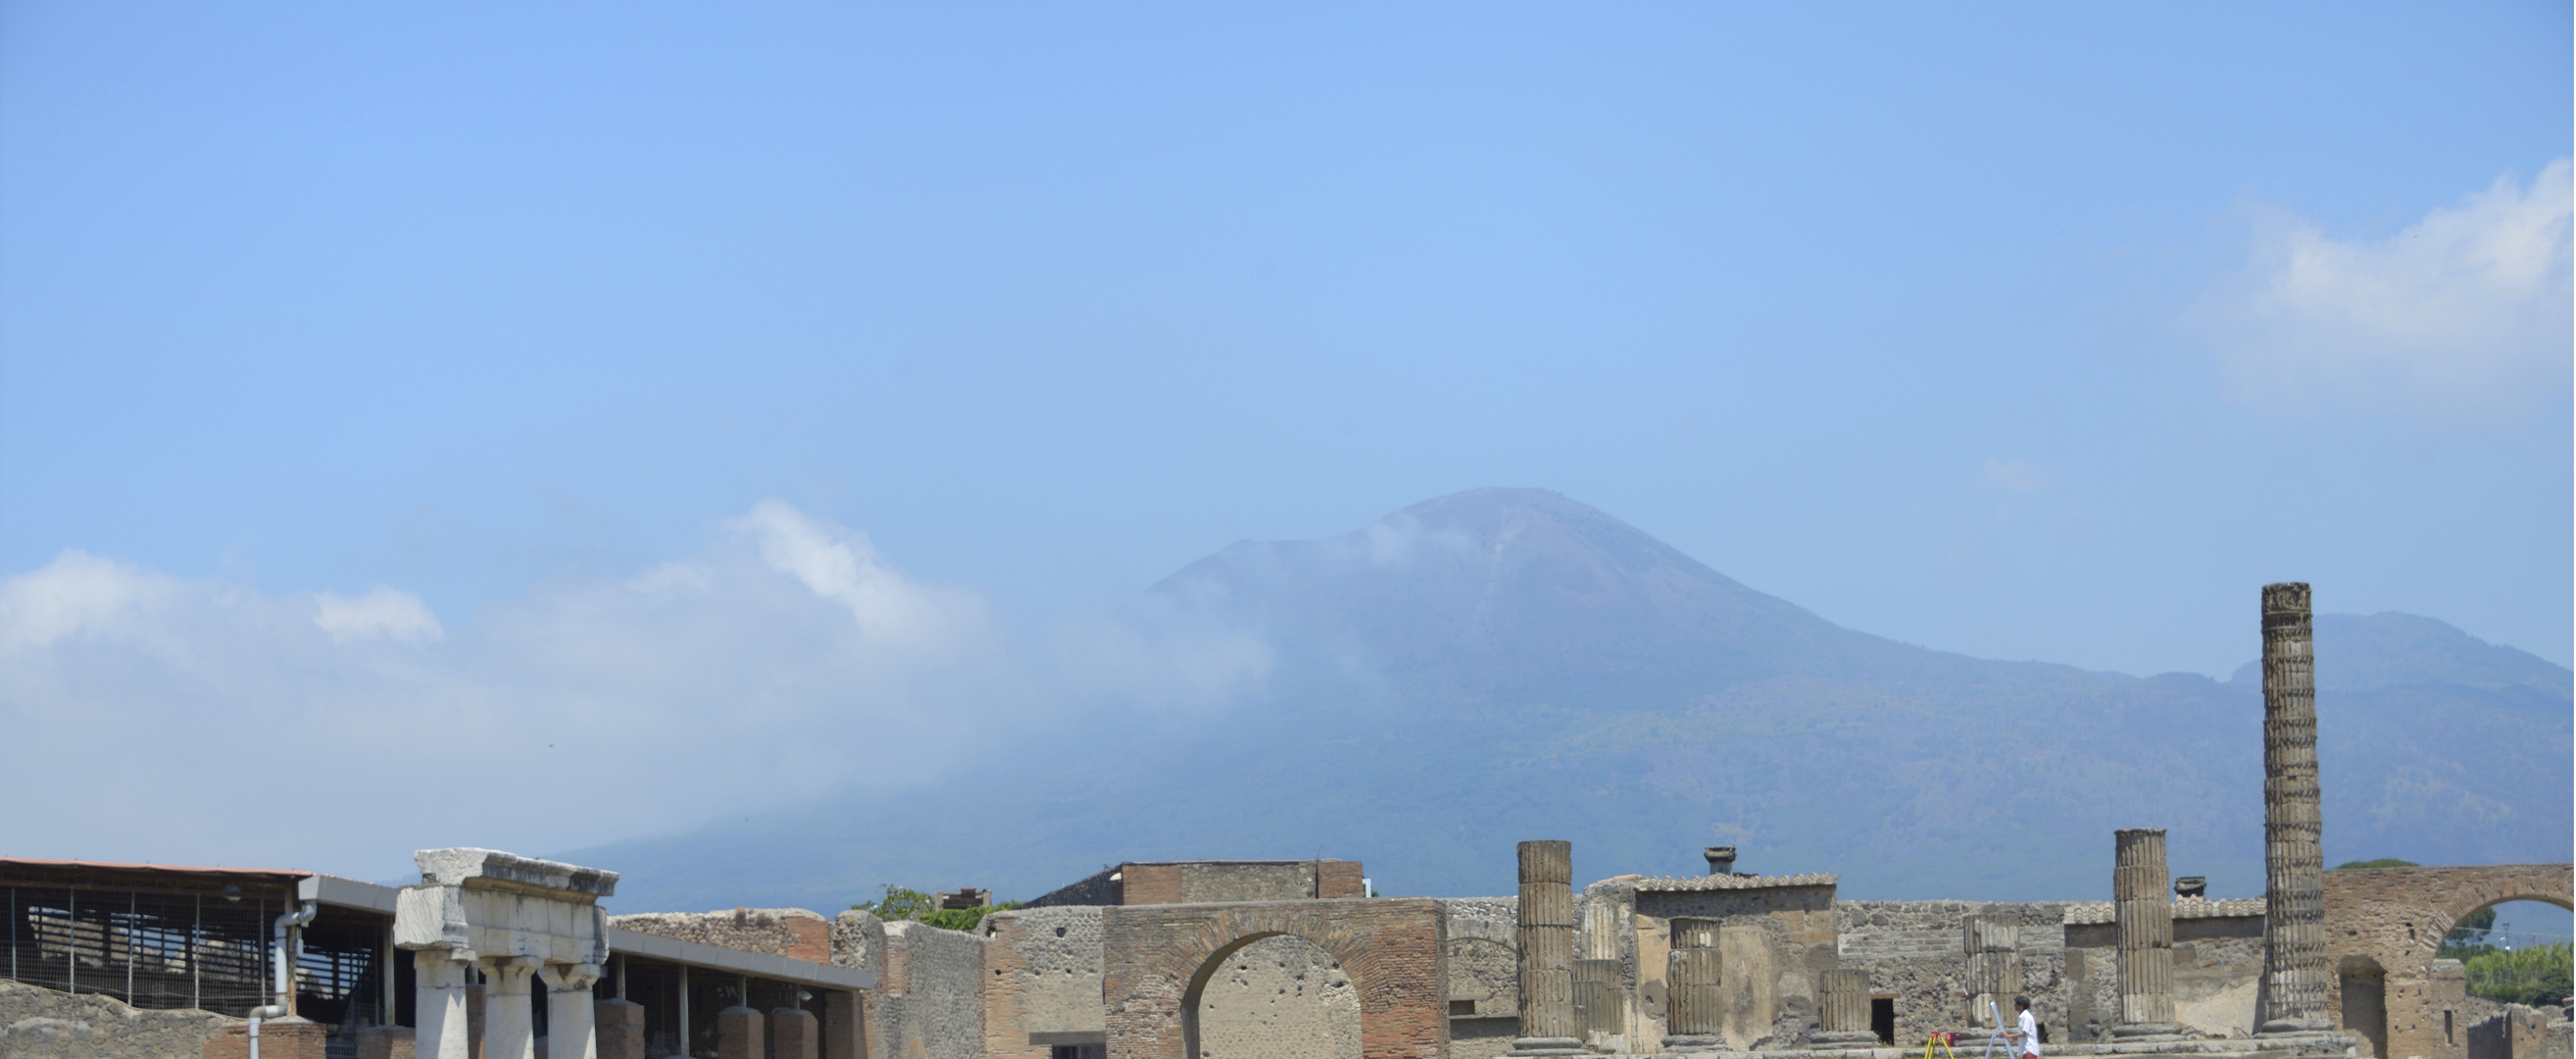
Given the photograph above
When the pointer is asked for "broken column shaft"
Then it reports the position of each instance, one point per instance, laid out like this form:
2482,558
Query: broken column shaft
1547,949
2145,916
1843,1007
1993,943
2294,961
1697,1014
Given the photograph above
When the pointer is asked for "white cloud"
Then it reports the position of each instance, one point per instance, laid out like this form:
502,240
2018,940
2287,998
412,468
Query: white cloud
382,614
783,663
2462,316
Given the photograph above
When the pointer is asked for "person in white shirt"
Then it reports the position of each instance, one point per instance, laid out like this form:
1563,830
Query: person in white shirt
2026,1039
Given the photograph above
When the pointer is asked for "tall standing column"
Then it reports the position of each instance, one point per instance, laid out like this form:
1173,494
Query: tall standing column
446,1029
2294,961
509,1019
2145,912
1547,949
571,1032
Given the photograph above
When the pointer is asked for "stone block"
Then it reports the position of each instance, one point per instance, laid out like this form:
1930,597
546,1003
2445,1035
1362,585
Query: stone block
620,1025
794,1033
740,1033
843,1035
286,1038
381,1042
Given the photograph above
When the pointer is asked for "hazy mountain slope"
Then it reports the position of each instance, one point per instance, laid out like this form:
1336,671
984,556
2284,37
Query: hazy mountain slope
1508,664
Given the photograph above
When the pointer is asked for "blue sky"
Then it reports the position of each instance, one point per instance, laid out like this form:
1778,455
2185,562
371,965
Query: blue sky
2043,331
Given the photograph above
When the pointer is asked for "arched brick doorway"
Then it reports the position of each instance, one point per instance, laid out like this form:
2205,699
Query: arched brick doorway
2393,920
1163,961
1272,996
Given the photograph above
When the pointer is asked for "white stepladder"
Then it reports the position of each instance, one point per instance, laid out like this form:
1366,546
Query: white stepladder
1998,1037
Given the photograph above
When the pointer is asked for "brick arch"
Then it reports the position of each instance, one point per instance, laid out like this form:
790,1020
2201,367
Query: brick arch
2396,918
1158,958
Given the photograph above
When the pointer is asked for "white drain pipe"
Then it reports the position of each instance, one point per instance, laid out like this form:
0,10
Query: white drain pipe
288,926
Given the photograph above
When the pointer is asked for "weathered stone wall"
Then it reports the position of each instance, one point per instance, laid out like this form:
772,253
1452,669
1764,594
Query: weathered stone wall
928,1003
1915,951
2217,967
1157,957
1484,975
1042,981
1196,882
791,932
1772,942
1281,997
41,1023
2512,1031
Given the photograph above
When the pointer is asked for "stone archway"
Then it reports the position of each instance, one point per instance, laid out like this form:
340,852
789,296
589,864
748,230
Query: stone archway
1162,961
1272,995
2394,920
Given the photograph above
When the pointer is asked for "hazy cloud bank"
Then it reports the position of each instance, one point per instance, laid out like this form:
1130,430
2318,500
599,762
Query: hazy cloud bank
199,721
2464,315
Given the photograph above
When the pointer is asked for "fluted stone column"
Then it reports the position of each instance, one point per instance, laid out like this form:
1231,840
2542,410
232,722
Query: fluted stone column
1842,1009
439,993
1994,967
1695,1013
2145,914
1547,949
509,1014
1600,1006
571,1008
2294,960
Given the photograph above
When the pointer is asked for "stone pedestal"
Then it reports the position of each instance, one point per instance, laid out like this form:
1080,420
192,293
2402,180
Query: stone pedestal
794,1034
740,1033
619,1028
1993,943
386,1042
1547,950
1694,1012
2145,916
844,1037
1842,1009
2295,976
291,1037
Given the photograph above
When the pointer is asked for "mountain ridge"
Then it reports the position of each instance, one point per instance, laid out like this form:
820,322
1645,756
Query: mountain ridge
1504,664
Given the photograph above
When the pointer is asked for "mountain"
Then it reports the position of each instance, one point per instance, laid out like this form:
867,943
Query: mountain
1506,664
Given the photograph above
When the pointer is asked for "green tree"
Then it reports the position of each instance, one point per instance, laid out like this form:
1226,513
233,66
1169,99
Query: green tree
906,905
2533,974
899,903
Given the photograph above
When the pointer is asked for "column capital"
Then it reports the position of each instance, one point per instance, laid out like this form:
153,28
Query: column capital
569,976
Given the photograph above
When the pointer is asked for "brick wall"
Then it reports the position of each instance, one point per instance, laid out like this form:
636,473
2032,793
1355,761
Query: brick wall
1158,957
1042,975
2383,926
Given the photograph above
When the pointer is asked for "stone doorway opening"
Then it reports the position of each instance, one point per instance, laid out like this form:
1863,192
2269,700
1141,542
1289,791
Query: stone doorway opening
2365,1001
1277,995
1882,1018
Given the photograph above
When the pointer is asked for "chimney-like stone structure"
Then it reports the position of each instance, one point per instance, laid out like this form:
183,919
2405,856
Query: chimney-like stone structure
2145,915
1721,859
1994,967
1547,949
1843,1008
2294,961
1695,1013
